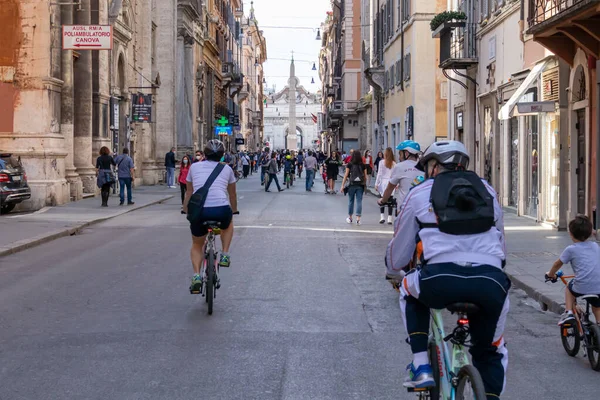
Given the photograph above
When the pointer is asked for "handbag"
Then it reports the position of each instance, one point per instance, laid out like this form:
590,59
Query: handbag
109,177
196,204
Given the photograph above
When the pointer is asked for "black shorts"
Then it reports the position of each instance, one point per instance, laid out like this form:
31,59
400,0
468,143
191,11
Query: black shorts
331,175
369,170
223,214
593,302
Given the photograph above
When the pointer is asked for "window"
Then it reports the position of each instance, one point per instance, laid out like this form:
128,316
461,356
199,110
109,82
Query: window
484,9
399,13
385,81
392,75
385,26
492,47
390,18
399,72
405,10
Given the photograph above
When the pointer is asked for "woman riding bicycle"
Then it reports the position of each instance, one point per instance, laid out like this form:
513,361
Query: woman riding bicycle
220,205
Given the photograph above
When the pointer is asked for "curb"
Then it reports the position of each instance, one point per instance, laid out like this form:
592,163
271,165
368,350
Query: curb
70,231
547,300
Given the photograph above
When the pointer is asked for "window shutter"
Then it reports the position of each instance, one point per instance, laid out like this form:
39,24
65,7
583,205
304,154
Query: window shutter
392,80
398,72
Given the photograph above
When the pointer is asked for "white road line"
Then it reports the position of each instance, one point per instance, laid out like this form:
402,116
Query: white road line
305,228
40,211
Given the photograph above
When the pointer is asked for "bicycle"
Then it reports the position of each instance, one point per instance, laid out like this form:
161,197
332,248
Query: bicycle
584,330
210,266
289,179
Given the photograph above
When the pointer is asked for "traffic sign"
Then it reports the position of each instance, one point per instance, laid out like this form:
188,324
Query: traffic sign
87,37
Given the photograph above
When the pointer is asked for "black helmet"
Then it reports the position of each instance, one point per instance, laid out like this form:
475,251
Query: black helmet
214,147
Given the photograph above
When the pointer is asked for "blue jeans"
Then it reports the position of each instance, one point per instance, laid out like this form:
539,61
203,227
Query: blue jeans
273,177
310,176
122,183
263,171
170,176
355,191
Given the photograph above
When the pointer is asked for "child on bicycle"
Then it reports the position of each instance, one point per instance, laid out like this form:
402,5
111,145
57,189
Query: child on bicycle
584,256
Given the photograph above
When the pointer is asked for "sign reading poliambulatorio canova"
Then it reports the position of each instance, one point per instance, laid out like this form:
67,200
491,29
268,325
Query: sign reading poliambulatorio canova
87,37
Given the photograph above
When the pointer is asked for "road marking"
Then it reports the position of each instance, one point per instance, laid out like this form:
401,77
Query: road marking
527,228
305,228
40,211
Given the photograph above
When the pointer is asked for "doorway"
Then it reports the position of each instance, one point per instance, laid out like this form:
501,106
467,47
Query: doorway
513,199
533,166
580,167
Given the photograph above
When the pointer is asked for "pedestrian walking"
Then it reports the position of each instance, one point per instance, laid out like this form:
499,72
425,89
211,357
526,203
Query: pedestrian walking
332,169
245,160
184,169
378,160
170,163
125,173
300,160
264,162
356,176
252,157
368,161
384,175
310,166
105,177
273,171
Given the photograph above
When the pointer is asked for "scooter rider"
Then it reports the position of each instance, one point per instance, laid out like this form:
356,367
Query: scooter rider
459,223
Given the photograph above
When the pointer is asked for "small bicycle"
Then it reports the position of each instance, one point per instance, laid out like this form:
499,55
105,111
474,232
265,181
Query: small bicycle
210,266
289,178
583,330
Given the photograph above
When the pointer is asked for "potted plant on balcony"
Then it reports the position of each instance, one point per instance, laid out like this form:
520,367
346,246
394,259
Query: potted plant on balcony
446,21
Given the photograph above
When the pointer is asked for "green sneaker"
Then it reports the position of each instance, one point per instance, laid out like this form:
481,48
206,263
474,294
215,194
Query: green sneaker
196,283
225,261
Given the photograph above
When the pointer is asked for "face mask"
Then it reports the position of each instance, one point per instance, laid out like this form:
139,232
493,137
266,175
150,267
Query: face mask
198,158
185,161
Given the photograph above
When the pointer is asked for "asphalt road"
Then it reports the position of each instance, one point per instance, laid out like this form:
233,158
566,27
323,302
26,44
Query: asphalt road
303,313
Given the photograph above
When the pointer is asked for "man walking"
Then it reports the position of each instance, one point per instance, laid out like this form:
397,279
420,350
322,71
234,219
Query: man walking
170,165
264,161
310,165
125,171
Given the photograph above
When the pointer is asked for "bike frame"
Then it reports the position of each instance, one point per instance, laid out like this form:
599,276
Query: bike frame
210,244
450,362
577,312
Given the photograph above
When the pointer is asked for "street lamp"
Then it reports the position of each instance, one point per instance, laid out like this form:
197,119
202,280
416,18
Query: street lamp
318,34
314,68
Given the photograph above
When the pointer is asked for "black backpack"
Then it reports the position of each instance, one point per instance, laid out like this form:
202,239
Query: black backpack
462,204
357,174
196,204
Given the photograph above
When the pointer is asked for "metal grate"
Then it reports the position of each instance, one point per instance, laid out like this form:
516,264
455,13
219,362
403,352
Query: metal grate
543,10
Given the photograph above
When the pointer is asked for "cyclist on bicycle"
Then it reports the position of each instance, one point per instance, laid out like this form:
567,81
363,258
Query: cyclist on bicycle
459,227
300,162
405,174
220,205
288,167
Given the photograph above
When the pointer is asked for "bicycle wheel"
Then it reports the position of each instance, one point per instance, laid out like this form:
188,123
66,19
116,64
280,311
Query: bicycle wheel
210,280
434,360
470,384
593,347
569,336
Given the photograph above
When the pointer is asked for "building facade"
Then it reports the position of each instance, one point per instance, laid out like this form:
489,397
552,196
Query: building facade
59,107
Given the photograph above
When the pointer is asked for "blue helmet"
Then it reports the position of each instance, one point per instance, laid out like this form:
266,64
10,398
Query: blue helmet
409,145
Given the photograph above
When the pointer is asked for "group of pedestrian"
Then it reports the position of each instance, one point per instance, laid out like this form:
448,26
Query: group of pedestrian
105,177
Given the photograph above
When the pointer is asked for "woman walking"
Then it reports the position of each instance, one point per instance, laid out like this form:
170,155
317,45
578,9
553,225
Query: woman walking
273,171
184,169
105,176
356,175
368,161
378,160
384,174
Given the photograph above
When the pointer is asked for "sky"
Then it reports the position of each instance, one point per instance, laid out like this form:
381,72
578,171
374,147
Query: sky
276,18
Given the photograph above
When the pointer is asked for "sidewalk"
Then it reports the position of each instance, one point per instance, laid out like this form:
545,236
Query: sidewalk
22,231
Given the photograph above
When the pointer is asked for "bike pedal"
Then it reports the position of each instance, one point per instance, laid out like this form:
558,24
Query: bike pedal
194,292
417,390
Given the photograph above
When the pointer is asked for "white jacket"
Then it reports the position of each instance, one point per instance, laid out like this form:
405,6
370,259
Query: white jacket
384,175
438,247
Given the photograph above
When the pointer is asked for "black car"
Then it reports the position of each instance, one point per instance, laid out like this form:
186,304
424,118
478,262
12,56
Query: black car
13,183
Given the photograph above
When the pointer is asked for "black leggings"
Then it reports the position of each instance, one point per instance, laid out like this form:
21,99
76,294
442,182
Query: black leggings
390,210
183,188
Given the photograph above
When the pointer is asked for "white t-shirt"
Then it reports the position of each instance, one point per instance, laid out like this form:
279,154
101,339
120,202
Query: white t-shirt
405,175
217,194
245,160
383,176
585,260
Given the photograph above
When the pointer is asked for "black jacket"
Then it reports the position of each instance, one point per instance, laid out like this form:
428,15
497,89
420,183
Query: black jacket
170,160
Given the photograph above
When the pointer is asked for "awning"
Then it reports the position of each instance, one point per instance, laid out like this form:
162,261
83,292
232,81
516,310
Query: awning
506,112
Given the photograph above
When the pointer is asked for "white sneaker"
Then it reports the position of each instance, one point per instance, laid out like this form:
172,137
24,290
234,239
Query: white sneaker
390,220
349,220
566,319
358,222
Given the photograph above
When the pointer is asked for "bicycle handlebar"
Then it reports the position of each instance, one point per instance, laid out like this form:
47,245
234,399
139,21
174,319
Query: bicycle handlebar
559,274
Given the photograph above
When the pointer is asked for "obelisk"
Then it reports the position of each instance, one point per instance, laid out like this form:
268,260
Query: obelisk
292,139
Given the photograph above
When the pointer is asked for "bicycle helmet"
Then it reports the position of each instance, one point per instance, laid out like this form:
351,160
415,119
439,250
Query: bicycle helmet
214,149
446,152
288,157
409,145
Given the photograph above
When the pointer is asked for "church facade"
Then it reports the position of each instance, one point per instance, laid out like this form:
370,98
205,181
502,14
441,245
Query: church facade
281,114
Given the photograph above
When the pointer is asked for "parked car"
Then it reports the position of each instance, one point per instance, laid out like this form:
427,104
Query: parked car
13,183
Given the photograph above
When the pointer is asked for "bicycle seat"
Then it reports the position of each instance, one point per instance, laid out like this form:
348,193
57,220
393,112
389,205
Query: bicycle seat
212,224
588,297
467,308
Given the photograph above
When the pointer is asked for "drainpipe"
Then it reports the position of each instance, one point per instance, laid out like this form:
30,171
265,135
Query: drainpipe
597,222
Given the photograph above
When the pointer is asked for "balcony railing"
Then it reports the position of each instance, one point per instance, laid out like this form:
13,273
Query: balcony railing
458,47
542,10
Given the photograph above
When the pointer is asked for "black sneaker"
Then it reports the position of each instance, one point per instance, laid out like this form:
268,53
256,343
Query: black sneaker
121,203
130,203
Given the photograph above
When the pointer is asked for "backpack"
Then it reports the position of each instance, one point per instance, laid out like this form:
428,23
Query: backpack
357,174
196,204
462,204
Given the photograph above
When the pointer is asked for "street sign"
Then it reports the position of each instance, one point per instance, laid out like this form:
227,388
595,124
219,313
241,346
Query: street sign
87,37
141,107
239,142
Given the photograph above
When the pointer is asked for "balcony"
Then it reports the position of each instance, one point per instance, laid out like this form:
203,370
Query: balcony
458,45
563,26
340,109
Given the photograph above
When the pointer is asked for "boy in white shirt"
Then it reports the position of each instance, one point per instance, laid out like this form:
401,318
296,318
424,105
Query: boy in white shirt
584,257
